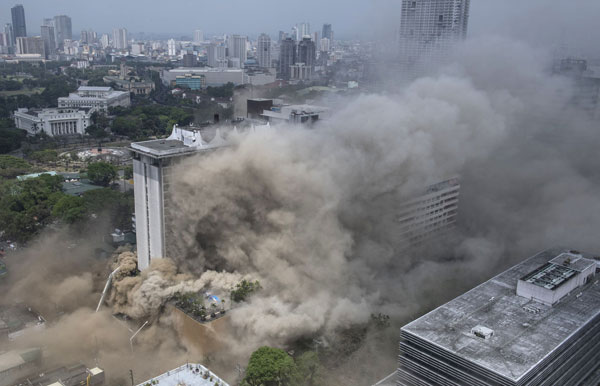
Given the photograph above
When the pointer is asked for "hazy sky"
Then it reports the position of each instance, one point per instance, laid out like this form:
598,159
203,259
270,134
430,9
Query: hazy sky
538,21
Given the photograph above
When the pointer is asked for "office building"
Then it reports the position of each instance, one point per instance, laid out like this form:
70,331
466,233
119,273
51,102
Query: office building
236,46
47,32
213,76
54,121
300,71
10,37
327,32
62,29
99,97
191,81
189,60
263,51
429,29
198,36
120,39
307,53
538,323
302,30
188,374
153,163
18,22
171,47
287,57
217,55
33,45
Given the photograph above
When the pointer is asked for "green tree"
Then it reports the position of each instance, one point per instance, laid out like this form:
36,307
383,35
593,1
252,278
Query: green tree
69,209
96,132
10,166
116,205
244,289
269,366
101,173
44,156
128,172
10,139
309,369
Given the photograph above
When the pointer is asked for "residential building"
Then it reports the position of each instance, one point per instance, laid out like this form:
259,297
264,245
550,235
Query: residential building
30,45
105,41
171,47
189,60
325,45
537,323
18,22
429,30
54,121
188,374
198,36
99,97
287,57
47,32
120,39
307,52
217,56
213,76
263,51
137,48
302,30
300,71
236,46
10,36
62,29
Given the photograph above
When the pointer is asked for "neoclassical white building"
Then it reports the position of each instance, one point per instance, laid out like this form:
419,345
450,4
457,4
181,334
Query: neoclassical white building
99,97
53,121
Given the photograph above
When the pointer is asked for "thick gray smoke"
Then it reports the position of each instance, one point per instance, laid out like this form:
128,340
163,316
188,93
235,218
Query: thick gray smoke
310,213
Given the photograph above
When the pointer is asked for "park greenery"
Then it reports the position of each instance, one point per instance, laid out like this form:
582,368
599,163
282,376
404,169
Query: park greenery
141,122
269,366
101,173
28,206
10,139
243,290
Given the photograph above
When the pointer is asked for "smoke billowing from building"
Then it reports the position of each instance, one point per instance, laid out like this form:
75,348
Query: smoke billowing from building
310,213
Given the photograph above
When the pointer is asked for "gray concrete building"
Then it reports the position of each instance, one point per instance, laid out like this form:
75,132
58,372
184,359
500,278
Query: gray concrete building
287,57
213,76
537,323
99,97
429,29
18,22
63,29
263,51
48,36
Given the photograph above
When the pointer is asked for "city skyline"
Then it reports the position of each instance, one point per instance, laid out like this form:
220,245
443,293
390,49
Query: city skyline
571,24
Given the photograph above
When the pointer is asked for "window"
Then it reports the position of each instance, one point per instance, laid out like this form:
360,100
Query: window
441,18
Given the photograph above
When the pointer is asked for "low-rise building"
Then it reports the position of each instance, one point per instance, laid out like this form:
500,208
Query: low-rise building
295,114
188,374
191,81
138,87
18,320
99,97
213,76
53,121
15,365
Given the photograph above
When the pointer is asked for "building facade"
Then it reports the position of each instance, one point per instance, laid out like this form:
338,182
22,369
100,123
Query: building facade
47,32
213,76
32,45
538,323
429,29
263,51
287,57
18,22
120,39
63,29
193,82
95,97
188,374
236,46
217,56
53,122
198,36
307,53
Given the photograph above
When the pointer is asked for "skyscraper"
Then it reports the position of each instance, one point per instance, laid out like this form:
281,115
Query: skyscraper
237,48
263,51
302,30
429,29
307,52
83,37
105,40
287,57
217,55
171,47
198,36
10,37
62,29
18,21
327,32
120,39
47,33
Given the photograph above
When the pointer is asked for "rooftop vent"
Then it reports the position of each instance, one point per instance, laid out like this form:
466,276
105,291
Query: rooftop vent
482,332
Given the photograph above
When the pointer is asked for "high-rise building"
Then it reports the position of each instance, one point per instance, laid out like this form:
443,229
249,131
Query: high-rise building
10,37
47,33
217,55
83,37
30,45
62,29
171,47
287,57
327,33
302,30
282,35
236,46
198,36
263,51
325,45
18,21
538,323
120,39
307,52
189,60
105,41
429,29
